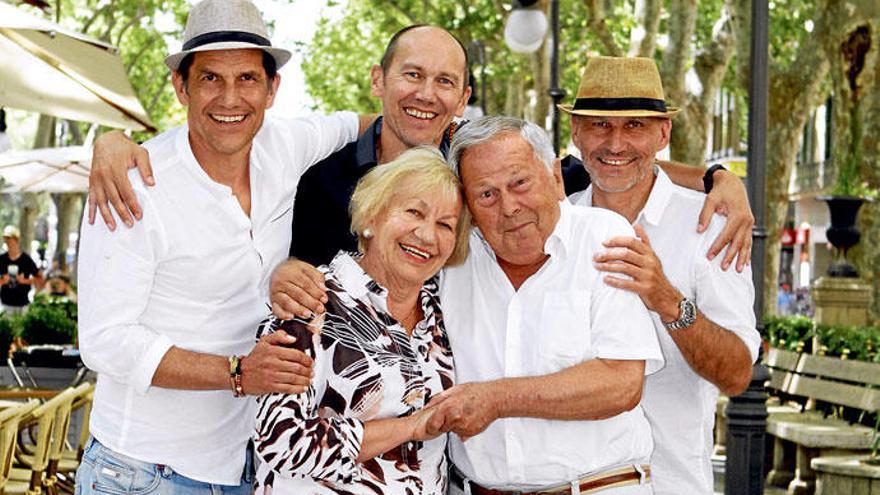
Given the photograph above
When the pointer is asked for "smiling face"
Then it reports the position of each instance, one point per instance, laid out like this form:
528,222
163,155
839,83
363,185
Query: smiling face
422,89
413,236
227,95
618,152
513,197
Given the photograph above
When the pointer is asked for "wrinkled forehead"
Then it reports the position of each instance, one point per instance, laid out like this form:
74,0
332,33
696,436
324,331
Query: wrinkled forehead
502,154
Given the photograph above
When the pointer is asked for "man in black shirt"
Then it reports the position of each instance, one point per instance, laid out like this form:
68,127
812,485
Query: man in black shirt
422,81
17,273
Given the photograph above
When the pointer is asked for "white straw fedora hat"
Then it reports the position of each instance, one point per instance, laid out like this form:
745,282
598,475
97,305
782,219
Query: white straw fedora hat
620,87
225,25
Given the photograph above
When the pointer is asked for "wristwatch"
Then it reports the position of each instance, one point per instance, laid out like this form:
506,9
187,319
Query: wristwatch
687,315
709,177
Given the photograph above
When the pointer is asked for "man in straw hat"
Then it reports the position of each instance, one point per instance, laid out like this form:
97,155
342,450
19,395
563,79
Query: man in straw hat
702,314
168,308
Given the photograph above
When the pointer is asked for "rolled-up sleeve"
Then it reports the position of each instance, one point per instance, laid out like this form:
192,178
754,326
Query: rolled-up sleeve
298,436
116,272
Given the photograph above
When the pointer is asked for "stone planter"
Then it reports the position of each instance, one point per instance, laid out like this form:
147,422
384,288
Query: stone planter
846,475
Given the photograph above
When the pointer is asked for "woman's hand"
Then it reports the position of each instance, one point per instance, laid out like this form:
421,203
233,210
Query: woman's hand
419,425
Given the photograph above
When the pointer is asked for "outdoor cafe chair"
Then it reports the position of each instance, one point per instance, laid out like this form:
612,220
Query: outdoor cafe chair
10,418
64,461
51,420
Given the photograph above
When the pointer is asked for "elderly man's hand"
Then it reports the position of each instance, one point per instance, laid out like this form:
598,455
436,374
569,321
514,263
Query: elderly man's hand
112,156
271,367
728,197
465,409
297,289
634,257
420,430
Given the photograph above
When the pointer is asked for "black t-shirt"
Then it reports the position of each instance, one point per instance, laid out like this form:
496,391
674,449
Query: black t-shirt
13,293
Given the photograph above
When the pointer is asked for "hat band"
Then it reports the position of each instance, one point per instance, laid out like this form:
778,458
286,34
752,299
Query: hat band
222,36
651,104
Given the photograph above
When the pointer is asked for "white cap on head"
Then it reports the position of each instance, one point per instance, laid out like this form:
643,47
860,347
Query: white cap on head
11,231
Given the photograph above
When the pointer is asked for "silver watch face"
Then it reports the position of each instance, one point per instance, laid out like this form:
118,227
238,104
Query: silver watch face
687,315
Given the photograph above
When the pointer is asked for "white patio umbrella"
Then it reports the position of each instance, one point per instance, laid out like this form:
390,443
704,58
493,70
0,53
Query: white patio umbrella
49,69
57,170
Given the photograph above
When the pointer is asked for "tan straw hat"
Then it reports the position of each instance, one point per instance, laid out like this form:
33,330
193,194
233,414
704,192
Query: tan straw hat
225,25
620,87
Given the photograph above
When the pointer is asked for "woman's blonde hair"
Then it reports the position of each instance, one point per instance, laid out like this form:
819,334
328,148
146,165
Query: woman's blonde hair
431,174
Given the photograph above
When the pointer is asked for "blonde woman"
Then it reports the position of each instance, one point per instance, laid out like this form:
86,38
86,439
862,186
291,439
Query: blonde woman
380,350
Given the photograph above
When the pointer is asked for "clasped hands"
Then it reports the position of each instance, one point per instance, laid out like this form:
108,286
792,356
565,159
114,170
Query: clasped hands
465,410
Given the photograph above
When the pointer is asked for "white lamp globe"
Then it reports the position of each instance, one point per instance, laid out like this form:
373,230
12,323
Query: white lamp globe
525,29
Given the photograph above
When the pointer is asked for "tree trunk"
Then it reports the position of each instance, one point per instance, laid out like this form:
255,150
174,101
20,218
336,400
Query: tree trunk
869,218
30,210
792,92
45,137
67,206
540,62
676,59
643,42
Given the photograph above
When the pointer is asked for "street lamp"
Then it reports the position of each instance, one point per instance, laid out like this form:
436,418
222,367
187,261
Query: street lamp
524,32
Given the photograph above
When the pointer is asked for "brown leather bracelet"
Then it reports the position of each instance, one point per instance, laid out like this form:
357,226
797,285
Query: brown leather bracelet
235,375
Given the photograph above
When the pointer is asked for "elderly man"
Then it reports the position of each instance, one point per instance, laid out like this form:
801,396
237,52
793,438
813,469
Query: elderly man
551,360
168,308
702,313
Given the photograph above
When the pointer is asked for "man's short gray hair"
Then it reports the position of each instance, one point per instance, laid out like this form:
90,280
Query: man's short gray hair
485,128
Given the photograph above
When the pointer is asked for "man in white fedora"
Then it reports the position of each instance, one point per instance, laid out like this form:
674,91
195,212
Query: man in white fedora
168,307
702,314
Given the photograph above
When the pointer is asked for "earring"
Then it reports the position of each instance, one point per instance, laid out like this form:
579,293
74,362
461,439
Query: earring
367,233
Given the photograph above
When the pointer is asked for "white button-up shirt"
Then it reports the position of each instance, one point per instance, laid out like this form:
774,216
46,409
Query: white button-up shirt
679,403
561,316
193,274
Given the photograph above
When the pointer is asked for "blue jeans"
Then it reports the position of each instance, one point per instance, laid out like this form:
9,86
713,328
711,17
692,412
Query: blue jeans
105,471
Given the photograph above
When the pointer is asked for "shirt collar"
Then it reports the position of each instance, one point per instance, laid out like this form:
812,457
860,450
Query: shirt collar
556,244
658,199
560,239
185,151
360,285
352,277
366,144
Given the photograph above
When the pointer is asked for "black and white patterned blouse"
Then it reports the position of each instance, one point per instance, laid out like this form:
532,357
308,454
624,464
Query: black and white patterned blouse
366,367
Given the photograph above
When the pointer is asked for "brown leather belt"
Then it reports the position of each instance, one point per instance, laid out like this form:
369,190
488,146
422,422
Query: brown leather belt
629,475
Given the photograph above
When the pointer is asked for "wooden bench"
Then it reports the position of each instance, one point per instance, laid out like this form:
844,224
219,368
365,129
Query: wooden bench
802,435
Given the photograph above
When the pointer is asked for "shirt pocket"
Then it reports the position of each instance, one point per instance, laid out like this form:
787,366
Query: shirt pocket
565,329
